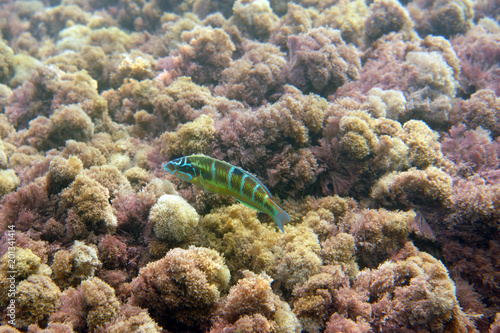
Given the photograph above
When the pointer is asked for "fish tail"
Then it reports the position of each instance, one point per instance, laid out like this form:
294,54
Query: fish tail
281,218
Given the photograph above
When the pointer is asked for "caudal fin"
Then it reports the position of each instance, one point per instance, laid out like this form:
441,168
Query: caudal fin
281,218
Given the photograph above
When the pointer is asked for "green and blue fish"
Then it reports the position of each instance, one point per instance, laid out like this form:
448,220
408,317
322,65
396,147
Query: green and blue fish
223,178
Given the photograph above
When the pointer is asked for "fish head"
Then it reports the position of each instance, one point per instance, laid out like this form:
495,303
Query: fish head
182,168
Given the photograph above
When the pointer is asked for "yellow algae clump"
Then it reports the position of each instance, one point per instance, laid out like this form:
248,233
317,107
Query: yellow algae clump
337,205
446,50
251,301
432,85
358,138
73,38
296,20
254,76
181,101
72,267
37,298
85,259
173,27
340,250
93,304
254,18
386,16
5,126
355,146
295,258
90,200
132,319
433,72
446,18
183,286
136,65
194,137
62,172
378,233
310,109
24,67
483,110
387,103
173,218
68,122
184,91
348,17
7,62
325,293
87,154
101,300
425,149
111,39
120,161
236,232
321,221
392,154
62,267
140,95
207,53
26,263
109,177
8,181
138,177
432,186
418,290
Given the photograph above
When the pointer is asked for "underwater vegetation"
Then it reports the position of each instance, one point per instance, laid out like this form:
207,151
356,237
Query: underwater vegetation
374,125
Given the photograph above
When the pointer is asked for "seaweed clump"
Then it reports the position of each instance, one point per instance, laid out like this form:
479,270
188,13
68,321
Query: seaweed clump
182,287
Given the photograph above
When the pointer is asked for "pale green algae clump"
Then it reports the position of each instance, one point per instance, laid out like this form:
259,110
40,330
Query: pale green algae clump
174,219
37,296
8,181
26,264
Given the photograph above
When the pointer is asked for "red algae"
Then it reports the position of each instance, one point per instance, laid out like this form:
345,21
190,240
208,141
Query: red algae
375,125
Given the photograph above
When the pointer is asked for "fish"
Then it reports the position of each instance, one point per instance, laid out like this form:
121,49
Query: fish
221,177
